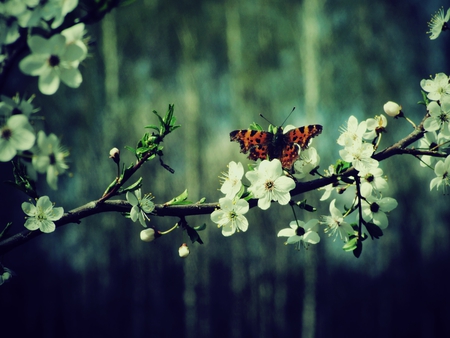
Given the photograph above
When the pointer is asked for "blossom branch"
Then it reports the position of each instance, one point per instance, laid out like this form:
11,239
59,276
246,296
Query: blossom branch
105,205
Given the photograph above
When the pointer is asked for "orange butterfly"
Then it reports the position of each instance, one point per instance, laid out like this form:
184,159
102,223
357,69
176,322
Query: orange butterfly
263,144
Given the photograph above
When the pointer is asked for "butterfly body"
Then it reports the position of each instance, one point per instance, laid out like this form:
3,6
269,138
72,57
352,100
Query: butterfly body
284,146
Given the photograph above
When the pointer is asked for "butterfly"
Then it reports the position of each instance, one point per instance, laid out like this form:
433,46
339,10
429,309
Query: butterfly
262,144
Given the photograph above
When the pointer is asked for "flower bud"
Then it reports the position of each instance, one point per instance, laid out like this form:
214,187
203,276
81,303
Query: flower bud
183,250
148,235
114,153
392,109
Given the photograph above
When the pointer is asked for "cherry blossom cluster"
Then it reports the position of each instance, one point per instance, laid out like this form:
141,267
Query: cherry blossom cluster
268,183
437,126
55,55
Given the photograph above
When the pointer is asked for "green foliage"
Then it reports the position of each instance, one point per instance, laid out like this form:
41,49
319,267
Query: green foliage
5,229
425,100
22,181
341,166
182,199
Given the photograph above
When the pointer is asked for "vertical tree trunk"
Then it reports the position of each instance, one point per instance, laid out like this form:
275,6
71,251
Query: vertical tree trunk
309,23
196,270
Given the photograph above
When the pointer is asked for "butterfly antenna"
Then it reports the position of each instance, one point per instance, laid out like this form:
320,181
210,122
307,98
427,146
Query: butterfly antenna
265,119
288,116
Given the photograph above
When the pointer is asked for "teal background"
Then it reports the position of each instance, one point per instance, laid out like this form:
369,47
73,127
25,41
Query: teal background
222,63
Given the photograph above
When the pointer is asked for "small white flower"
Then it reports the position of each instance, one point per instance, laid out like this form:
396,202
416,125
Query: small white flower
268,183
232,181
372,181
353,133
230,216
375,126
374,210
74,39
9,31
439,118
359,155
330,187
53,62
437,88
50,158
57,10
335,223
433,142
308,160
442,171
42,216
300,231
438,23
16,106
183,250
15,135
140,206
392,109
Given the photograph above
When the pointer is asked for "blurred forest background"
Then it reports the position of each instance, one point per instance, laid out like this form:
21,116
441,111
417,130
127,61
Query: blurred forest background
222,63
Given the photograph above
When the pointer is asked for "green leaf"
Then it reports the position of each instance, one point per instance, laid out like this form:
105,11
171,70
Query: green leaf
357,252
373,230
425,100
341,166
110,187
136,185
351,244
200,227
180,199
10,223
255,126
131,149
152,126
193,235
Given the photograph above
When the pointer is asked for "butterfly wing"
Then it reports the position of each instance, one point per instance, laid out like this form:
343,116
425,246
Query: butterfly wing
300,136
254,141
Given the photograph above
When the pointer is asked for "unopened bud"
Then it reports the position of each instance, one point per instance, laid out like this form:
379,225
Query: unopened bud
183,250
148,235
114,153
392,109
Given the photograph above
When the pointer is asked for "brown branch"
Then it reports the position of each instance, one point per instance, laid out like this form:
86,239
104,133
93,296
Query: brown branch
103,205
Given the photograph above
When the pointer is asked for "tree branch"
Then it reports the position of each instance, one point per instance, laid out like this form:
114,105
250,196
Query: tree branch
104,205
